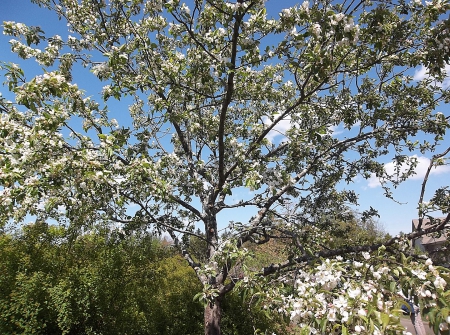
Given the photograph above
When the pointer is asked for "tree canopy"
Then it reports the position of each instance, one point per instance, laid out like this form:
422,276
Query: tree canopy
212,83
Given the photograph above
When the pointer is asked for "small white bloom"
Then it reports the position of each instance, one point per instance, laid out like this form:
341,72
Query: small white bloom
359,329
349,26
354,293
420,274
185,9
422,293
380,304
377,275
357,264
305,6
331,315
440,282
317,30
114,123
286,13
344,316
293,32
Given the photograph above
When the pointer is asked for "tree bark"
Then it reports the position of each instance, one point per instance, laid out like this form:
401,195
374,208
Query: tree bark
416,320
213,316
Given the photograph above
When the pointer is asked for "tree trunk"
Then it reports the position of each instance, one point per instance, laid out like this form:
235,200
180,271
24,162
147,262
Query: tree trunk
416,320
213,316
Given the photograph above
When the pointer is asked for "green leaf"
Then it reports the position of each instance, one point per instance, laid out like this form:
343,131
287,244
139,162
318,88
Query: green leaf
392,286
384,319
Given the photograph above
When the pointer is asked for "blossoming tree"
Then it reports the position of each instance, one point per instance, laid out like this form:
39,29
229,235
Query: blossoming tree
212,83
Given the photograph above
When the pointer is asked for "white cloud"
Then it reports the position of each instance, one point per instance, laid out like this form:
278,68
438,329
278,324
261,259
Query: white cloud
421,169
335,130
422,73
285,124
340,128
279,129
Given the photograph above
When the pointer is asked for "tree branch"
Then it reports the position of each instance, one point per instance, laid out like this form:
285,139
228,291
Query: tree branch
273,268
227,100
425,180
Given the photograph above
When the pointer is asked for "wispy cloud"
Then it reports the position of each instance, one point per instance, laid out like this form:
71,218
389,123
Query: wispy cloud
285,124
340,128
422,73
280,128
421,169
336,130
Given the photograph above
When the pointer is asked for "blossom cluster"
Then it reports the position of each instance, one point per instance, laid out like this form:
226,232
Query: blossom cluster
347,294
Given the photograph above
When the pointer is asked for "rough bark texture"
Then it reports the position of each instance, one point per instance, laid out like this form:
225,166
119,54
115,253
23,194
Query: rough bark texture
416,320
213,315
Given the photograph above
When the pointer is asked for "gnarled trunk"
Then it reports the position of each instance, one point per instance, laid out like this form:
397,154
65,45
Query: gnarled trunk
213,316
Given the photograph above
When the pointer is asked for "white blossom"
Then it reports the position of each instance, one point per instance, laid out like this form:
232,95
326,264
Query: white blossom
358,264
440,283
305,6
354,293
316,29
185,9
420,274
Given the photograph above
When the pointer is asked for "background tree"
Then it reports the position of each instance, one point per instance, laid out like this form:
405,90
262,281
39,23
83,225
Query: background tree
211,82
54,284
105,283
357,231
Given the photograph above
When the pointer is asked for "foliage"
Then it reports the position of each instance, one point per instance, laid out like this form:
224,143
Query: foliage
441,255
439,252
197,246
103,283
98,284
246,316
357,231
228,97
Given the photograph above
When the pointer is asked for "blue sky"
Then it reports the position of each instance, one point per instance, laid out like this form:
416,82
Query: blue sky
395,216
